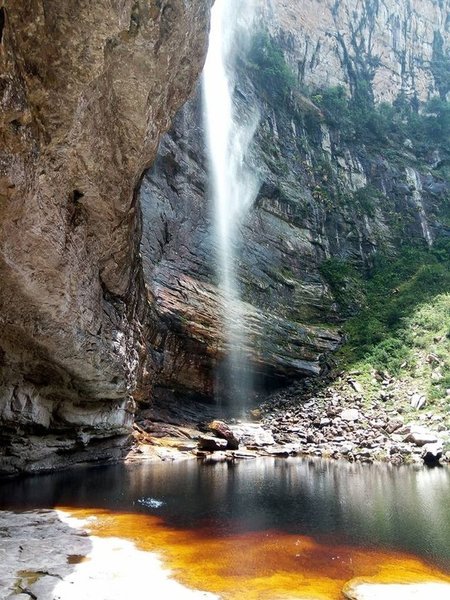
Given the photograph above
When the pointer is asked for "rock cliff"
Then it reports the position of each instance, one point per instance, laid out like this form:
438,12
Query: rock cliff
330,189
86,89
398,46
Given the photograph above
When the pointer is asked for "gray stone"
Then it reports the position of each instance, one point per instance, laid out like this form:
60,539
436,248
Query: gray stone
418,401
432,453
420,436
253,435
350,414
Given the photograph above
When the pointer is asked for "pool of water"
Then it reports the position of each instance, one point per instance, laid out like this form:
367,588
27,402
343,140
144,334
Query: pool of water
263,518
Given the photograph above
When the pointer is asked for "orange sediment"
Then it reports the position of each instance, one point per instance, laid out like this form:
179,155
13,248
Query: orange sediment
267,565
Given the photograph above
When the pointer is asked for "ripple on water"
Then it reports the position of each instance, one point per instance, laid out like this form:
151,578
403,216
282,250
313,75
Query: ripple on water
150,502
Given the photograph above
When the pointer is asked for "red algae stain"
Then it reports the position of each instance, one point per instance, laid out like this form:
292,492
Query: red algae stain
267,565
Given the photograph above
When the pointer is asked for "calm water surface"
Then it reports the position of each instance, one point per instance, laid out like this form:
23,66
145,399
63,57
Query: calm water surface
381,507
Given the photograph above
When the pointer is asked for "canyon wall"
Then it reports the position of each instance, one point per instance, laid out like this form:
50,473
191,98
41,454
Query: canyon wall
398,46
86,89
327,191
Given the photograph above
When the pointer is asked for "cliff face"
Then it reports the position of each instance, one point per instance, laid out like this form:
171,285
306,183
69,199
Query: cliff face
398,46
281,307
326,192
86,88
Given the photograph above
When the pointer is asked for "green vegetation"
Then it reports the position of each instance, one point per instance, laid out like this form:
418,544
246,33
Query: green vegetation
398,315
359,119
404,326
346,284
267,62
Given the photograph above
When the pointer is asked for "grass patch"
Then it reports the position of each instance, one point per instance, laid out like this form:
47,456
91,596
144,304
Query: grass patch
346,283
403,328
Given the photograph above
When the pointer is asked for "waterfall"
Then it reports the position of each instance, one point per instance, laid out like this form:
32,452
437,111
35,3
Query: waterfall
233,186
413,179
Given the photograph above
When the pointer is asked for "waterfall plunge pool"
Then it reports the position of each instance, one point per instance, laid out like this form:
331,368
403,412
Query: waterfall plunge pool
268,528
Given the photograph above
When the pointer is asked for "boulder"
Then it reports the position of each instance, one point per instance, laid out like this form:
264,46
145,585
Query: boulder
350,414
420,436
418,401
211,443
222,430
356,386
283,450
253,435
432,453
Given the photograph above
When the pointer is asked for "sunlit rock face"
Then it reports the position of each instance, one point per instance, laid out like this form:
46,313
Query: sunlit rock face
86,90
326,39
320,196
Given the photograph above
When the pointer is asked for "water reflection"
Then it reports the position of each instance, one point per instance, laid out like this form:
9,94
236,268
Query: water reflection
371,506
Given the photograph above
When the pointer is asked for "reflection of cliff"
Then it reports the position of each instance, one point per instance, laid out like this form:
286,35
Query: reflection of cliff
364,505
84,330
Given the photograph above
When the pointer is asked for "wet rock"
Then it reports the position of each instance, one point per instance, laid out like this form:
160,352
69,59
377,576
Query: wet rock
244,454
36,545
216,457
47,555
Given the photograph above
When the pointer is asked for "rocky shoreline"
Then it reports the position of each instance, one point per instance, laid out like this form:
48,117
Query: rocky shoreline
335,421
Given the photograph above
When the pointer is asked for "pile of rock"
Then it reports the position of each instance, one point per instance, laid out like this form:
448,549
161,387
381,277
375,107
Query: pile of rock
331,425
302,420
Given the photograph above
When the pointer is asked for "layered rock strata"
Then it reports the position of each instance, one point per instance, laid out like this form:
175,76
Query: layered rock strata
86,90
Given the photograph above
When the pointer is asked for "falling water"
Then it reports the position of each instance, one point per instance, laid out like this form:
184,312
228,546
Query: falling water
413,179
233,185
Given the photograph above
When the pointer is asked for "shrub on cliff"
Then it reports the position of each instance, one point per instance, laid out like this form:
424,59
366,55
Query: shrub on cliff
272,73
